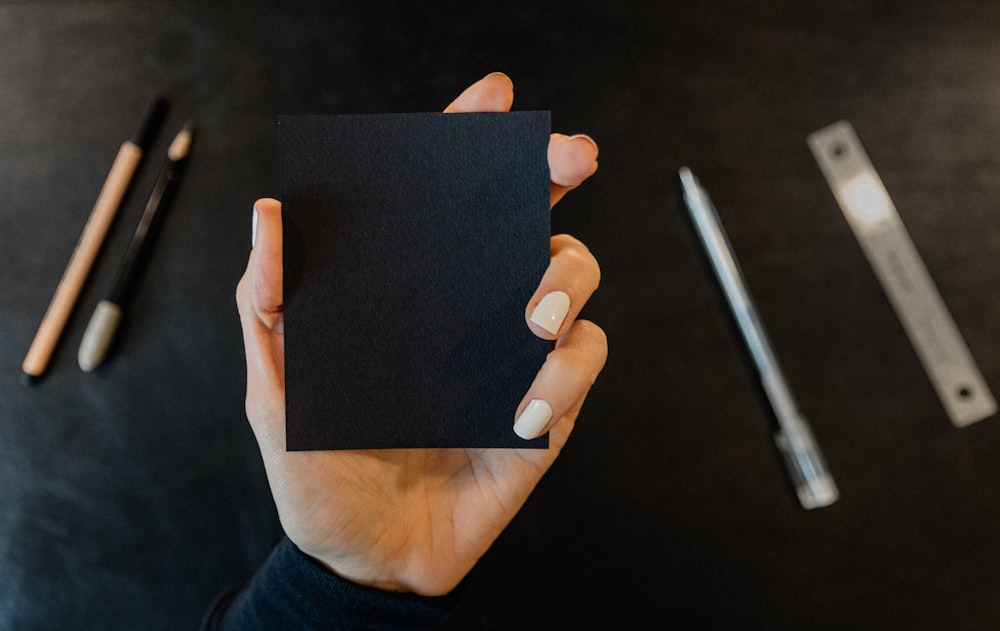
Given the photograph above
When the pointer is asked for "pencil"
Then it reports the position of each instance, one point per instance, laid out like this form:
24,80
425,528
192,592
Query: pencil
104,322
94,231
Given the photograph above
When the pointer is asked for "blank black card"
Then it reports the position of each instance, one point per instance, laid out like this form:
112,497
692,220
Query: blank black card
412,243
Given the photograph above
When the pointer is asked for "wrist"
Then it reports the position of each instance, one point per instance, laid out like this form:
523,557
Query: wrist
430,582
358,577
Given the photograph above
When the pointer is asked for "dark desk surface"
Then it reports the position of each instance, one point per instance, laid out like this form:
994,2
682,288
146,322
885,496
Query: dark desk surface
132,495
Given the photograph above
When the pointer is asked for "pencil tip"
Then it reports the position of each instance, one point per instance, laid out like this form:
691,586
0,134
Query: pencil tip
181,145
28,379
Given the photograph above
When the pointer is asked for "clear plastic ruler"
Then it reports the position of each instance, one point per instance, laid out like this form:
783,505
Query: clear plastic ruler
883,237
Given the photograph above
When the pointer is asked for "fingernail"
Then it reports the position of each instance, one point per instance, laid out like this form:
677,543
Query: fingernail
253,232
588,139
533,420
499,74
551,311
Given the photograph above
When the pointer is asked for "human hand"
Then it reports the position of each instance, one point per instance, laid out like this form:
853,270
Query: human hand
418,519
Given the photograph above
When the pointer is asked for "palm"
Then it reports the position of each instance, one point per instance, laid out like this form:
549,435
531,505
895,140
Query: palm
433,512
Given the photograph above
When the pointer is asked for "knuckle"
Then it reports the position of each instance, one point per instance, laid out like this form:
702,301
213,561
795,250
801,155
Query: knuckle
243,292
585,351
575,253
564,241
594,336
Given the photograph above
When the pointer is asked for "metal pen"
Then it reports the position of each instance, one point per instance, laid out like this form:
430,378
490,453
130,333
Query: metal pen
812,481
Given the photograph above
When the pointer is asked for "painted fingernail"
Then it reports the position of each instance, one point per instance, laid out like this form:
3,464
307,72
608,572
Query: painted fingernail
551,311
253,232
533,420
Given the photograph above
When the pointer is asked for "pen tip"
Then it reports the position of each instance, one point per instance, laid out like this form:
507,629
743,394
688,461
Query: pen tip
687,178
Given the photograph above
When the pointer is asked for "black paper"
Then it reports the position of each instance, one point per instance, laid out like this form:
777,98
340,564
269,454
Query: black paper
412,243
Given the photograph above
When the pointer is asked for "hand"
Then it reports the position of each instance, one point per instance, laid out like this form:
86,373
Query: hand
418,520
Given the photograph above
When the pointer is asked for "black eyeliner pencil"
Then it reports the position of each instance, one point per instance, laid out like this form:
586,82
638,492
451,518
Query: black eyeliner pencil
103,324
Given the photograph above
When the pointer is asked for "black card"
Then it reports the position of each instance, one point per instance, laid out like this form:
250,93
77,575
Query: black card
412,244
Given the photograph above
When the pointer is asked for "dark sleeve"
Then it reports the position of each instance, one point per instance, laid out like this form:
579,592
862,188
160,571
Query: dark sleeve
293,591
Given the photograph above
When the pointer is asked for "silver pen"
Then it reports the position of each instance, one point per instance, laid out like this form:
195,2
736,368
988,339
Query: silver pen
813,483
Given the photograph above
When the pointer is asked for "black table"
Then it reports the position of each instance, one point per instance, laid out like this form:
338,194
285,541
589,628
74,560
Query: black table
132,495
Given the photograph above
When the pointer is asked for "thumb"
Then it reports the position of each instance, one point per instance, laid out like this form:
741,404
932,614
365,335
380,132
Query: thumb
260,303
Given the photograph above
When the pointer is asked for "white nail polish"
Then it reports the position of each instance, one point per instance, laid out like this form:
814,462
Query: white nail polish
253,232
551,311
534,418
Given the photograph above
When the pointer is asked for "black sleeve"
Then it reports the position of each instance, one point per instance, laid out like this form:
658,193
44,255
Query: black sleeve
293,591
